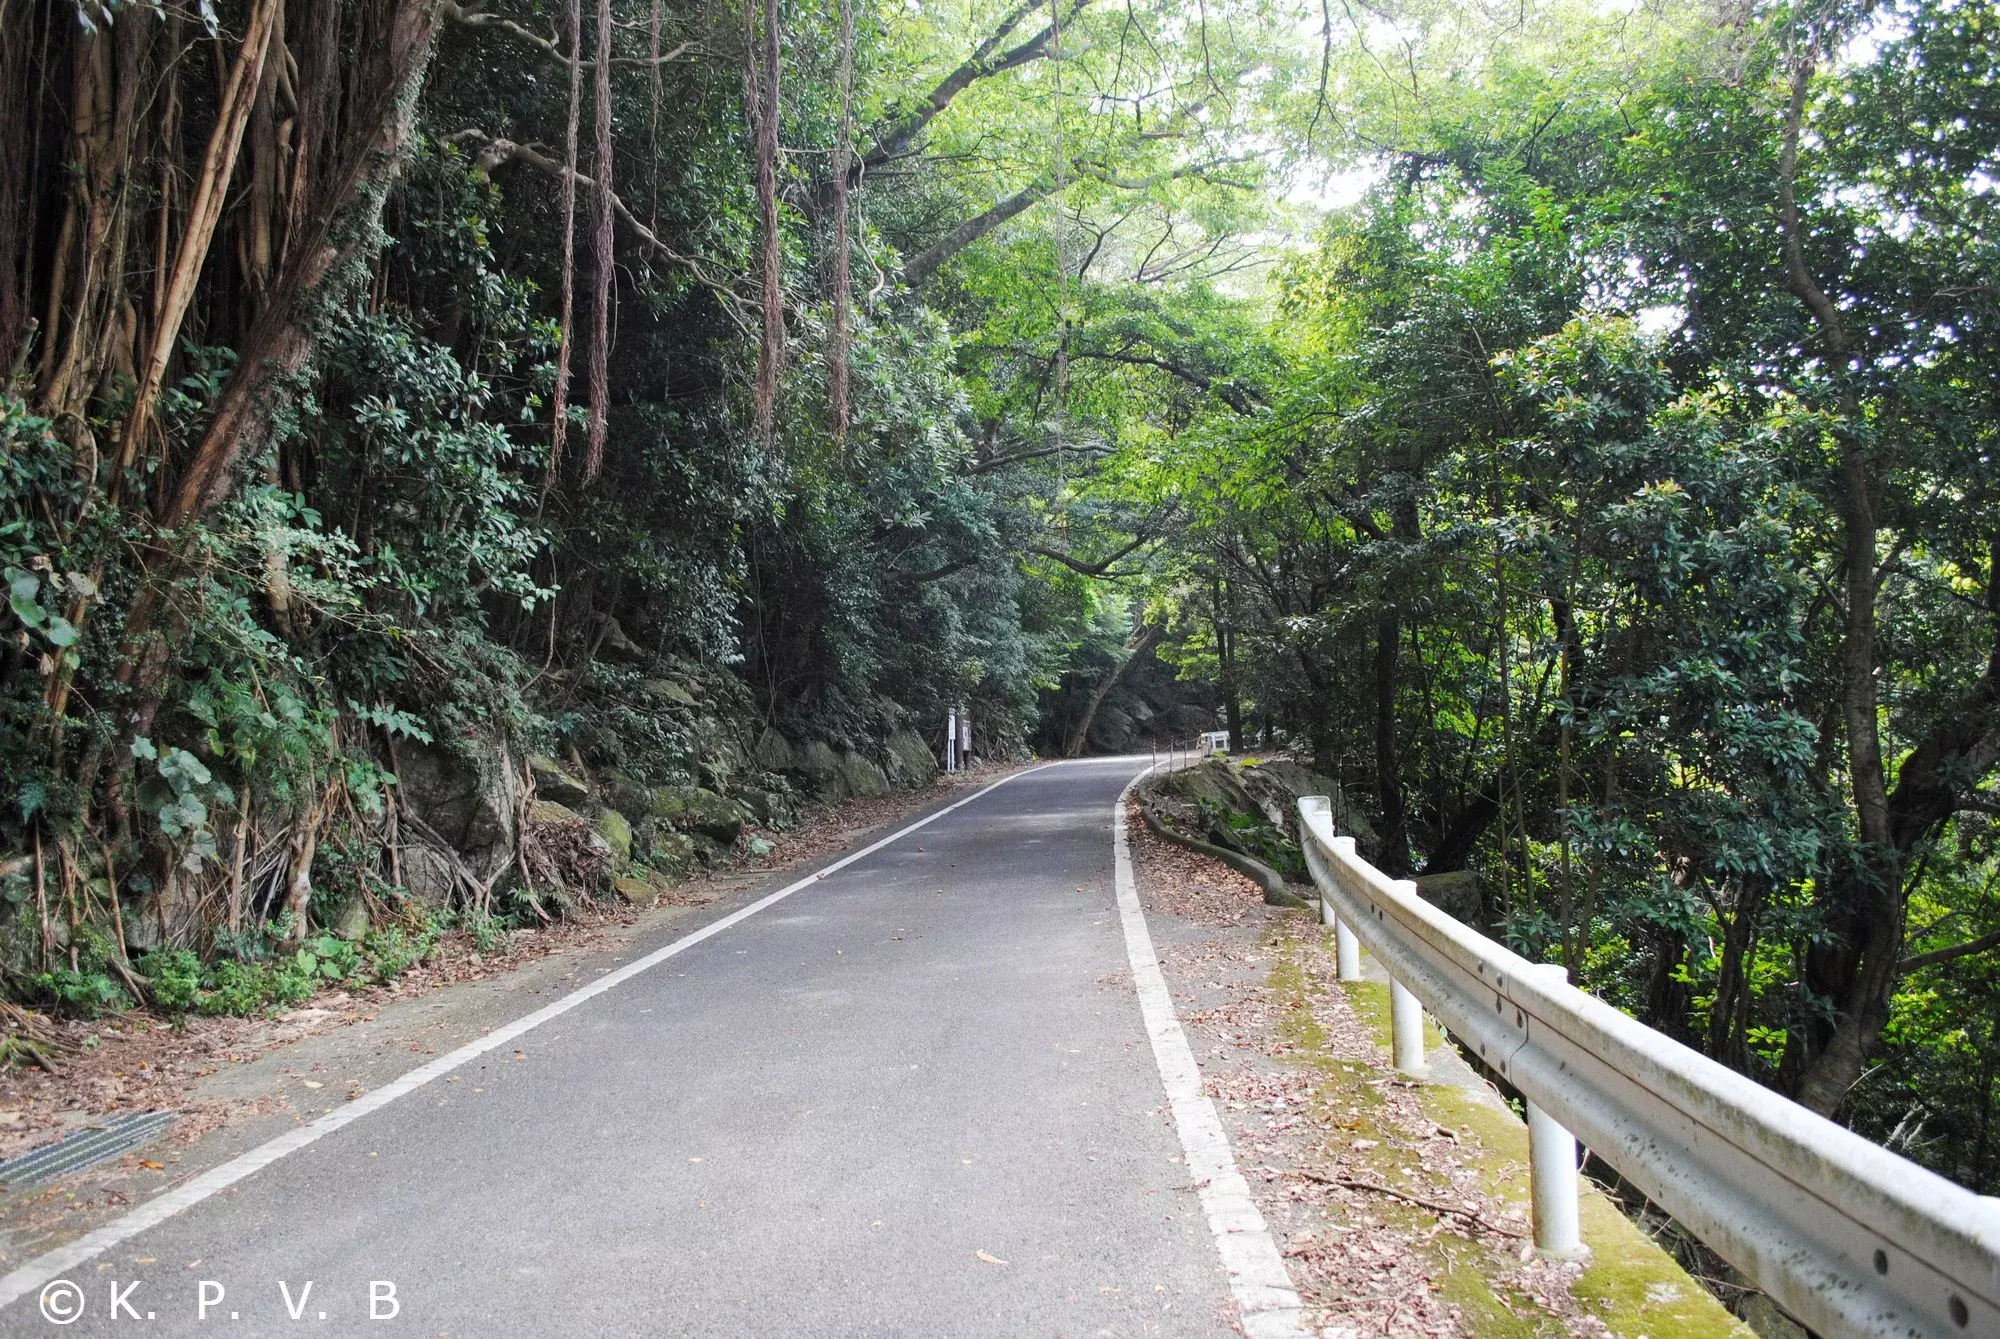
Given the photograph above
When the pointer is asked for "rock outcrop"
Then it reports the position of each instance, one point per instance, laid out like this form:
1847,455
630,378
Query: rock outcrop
1252,808
678,785
775,753
460,805
862,776
909,761
554,783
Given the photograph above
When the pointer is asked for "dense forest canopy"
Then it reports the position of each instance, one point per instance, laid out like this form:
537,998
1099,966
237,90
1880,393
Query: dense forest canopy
1569,425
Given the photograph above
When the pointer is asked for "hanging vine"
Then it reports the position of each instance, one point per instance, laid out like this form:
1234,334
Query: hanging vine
565,321
602,255
762,96
843,281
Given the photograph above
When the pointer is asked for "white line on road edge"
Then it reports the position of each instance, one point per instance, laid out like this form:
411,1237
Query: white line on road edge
1264,1293
44,1268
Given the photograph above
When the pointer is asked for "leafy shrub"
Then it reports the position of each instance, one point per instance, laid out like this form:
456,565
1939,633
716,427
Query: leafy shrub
177,978
244,988
88,988
84,992
324,957
393,951
487,931
260,978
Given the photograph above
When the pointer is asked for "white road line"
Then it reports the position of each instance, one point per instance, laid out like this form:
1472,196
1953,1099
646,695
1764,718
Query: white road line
43,1268
1269,1304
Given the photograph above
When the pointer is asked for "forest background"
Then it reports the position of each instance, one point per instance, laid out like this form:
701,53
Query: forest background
1569,425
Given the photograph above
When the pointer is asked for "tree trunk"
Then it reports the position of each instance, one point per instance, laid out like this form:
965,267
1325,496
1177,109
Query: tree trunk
1668,994
82,332
565,328
1856,965
918,269
16,96
1732,981
298,873
218,166
843,282
1395,855
1225,660
1139,646
327,264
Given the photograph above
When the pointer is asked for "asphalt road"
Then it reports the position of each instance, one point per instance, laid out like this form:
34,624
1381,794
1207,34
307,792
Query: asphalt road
915,1098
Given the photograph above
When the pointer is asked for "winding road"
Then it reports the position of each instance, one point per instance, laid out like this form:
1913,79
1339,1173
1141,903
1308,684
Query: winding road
935,1089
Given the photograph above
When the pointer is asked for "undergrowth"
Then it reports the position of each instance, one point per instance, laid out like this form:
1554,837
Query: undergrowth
249,975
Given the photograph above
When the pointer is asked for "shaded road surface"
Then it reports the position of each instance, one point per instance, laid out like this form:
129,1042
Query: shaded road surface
837,1116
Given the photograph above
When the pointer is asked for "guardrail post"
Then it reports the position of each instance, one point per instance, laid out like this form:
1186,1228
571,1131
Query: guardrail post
1311,807
1406,1014
1406,1026
1347,951
1552,1172
1552,1160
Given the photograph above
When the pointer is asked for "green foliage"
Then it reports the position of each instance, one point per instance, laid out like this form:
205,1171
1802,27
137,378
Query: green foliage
177,977
83,983
87,992
263,976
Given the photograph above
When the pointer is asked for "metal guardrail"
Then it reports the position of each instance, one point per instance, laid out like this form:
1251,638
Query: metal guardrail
1846,1236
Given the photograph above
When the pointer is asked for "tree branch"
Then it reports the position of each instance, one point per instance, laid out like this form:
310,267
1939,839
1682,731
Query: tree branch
986,60
1089,569
479,18
1949,954
935,574
494,152
1141,641
1231,394
919,269
993,463
1832,329
1100,172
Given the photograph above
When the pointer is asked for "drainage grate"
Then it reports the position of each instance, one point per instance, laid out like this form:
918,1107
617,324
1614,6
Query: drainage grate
88,1146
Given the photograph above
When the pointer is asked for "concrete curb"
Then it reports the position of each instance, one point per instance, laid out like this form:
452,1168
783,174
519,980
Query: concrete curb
1277,892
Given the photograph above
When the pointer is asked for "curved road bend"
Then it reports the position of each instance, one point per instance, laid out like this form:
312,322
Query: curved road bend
914,1099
